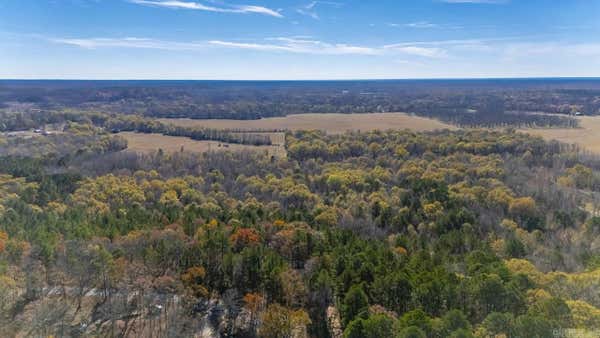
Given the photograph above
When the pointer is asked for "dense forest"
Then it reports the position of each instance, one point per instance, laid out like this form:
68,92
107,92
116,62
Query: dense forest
469,103
468,233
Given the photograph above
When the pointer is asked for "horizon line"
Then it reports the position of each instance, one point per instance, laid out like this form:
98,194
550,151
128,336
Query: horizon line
313,80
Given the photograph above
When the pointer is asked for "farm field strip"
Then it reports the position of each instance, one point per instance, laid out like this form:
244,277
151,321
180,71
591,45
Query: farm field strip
146,143
331,123
587,137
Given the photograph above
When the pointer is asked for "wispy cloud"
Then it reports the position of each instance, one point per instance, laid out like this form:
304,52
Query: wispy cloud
418,24
307,46
508,49
302,46
176,4
429,52
455,42
421,24
310,9
130,42
298,45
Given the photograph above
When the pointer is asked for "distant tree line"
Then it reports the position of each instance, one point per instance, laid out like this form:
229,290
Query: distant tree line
30,119
465,103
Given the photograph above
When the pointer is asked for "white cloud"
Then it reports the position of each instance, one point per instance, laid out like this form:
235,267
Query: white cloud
173,4
256,9
421,24
307,46
424,25
298,45
176,4
130,42
456,42
502,48
302,46
310,9
253,46
430,52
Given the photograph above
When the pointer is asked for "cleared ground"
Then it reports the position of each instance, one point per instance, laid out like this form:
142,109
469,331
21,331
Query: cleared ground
587,137
331,123
147,143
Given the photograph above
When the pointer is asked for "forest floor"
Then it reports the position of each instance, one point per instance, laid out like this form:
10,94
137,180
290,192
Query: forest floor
587,137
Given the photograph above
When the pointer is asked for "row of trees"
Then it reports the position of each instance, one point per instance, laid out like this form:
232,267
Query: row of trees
60,147
17,121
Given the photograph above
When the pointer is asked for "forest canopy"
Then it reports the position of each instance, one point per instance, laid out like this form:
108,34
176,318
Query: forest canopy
379,234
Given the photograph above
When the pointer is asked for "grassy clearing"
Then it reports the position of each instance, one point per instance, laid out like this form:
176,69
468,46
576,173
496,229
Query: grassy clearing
587,137
151,142
330,123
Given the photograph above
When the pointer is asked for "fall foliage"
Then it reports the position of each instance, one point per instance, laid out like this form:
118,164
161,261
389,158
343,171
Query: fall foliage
395,233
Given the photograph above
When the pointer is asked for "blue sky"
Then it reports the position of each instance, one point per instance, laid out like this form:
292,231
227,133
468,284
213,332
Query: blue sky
297,39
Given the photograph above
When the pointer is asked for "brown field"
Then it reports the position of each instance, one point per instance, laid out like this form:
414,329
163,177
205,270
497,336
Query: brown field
147,143
587,137
331,123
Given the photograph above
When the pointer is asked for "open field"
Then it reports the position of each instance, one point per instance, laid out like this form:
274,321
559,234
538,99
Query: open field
331,123
588,136
151,142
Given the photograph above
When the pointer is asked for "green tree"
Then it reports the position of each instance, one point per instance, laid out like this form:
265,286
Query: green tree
392,291
416,318
411,332
553,309
514,248
378,326
532,327
375,326
355,304
497,323
454,320
461,333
